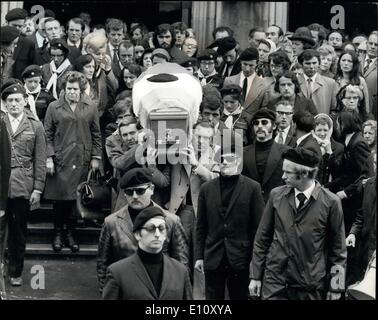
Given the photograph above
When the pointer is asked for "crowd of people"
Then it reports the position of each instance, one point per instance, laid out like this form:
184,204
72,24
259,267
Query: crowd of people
272,221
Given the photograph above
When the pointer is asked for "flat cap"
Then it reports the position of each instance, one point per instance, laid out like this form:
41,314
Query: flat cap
207,54
32,71
226,44
135,177
162,53
190,62
231,89
16,14
8,34
145,215
264,113
249,54
302,156
12,89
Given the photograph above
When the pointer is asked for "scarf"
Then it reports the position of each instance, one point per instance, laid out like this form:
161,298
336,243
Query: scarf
56,73
202,78
229,121
32,101
324,143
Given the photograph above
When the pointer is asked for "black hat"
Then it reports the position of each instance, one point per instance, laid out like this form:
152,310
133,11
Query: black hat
60,44
135,177
162,77
14,88
10,81
189,62
49,13
264,113
249,54
16,14
303,34
226,44
231,89
32,71
302,156
145,215
207,54
8,34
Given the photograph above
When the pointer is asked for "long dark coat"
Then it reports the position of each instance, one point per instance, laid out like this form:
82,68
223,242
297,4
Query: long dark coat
5,164
73,140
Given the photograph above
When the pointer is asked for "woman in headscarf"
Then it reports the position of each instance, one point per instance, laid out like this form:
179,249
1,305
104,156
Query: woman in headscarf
265,48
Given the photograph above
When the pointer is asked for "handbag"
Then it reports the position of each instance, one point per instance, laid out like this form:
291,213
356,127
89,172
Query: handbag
93,196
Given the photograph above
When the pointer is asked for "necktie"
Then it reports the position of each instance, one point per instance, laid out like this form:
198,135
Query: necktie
302,198
245,86
115,58
309,88
280,137
14,125
368,61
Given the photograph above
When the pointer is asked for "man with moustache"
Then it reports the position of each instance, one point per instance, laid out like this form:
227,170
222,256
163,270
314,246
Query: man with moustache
229,209
262,160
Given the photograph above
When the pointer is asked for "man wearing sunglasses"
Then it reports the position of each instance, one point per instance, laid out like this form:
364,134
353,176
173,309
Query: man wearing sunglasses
262,159
117,240
148,274
229,210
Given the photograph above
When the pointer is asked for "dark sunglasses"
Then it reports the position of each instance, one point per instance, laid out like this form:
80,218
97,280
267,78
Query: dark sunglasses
151,228
139,191
263,122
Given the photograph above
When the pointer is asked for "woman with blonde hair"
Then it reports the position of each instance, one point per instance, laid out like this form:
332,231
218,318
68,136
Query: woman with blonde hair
328,59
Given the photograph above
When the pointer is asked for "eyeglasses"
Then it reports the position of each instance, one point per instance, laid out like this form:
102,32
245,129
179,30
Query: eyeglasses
139,191
263,122
151,228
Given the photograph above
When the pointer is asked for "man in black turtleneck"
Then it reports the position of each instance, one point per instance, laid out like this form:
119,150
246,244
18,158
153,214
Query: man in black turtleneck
229,211
148,274
117,240
262,159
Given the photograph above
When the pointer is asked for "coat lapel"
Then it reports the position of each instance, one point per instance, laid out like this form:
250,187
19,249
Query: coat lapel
21,127
372,67
166,278
126,224
254,91
142,274
302,84
318,83
274,159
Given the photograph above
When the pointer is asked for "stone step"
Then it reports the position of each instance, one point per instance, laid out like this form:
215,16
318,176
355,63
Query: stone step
40,249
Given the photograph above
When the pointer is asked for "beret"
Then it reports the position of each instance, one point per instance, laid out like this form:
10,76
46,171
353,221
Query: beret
135,177
231,89
16,14
59,44
191,62
14,88
162,77
207,54
8,34
264,113
160,52
302,156
145,215
249,54
32,71
226,44
7,83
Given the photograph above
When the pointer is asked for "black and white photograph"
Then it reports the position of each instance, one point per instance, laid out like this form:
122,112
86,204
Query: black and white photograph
204,151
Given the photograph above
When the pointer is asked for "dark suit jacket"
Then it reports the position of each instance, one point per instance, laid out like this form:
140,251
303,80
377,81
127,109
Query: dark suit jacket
231,232
273,171
23,56
332,163
235,70
128,279
290,138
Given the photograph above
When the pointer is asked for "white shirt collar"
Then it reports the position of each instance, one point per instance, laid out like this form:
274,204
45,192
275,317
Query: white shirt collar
308,192
111,49
299,140
313,77
285,133
348,138
39,39
249,81
19,118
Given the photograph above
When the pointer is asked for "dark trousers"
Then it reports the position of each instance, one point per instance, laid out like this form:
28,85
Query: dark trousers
291,293
64,215
187,217
17,212
237,282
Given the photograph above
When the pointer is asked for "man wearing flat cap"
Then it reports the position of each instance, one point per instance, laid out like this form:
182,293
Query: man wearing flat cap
117,240
227,49
262,160
24,50
253,87
207,73
148,274
28,174
299,251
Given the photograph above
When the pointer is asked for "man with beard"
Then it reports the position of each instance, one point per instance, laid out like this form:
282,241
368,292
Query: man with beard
299,251
262,159
229,209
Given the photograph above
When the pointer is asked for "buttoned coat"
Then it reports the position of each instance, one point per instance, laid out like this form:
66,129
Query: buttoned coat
28,159
23,55
117,240
128,280
273,170
73,140
231,232
323,94
299,248
371,81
